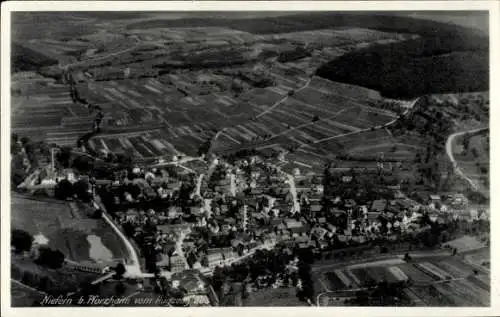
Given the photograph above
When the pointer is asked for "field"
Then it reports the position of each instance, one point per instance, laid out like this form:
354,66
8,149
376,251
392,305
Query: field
48,113
176,95
319,109
23,296
436,282
67,229
163,95
280,297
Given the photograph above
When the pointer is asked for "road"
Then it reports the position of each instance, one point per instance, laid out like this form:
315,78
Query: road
22,285
197,190
232,187
293,191
268,246
212,167
133,268
279,102
395,256
178,247
82,63
449,151
216,136
181,161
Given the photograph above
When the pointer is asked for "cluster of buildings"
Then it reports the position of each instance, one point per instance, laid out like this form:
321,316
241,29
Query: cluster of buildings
238,207
190,223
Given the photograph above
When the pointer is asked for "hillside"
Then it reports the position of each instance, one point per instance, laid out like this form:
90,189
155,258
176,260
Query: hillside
381,21
25,59
397,75
453,59
446,57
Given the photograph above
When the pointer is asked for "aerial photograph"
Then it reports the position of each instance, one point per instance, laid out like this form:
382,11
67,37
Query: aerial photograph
249,158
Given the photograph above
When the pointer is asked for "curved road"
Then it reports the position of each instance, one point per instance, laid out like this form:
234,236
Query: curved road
449,151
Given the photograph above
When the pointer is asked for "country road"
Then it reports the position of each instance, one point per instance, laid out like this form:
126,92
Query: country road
82,63
133,268
449,152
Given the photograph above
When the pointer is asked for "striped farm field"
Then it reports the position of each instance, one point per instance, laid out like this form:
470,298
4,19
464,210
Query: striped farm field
454,267
338,280
424,294
456,296
432,270
466,288
483,281
363,276
415,274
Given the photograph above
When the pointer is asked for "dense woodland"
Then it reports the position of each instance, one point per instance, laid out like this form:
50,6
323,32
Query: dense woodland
414,68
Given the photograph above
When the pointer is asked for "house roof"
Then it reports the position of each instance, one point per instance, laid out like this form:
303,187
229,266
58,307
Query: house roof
379,204
292,223
316,207
300,229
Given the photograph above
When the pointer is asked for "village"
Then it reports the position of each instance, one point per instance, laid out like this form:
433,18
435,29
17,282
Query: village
228,164
185,223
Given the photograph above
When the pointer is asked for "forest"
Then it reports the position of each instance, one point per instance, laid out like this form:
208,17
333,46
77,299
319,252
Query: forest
416,67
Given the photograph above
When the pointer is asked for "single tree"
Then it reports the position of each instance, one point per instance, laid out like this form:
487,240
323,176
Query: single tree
64,189
21,240
119,270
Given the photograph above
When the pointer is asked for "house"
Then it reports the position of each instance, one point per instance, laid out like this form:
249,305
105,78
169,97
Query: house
195,210
174,212
350,203
214,257
132,215
175,185
316,207
292,223
190,281
303,245
174,227
177,263
434,198
346,179
359,239
299,230
163,261
301,239
270,238
379,205
217,256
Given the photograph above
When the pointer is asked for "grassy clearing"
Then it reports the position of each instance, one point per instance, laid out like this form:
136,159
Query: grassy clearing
65,229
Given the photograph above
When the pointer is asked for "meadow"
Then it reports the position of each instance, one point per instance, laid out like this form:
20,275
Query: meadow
66,227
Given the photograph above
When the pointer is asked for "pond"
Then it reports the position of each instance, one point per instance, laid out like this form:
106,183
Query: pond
98,251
